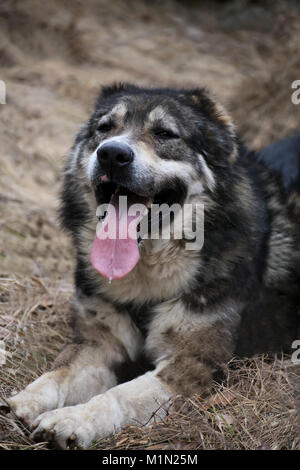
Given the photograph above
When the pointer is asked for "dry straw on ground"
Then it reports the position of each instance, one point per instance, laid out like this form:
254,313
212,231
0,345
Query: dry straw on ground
53,59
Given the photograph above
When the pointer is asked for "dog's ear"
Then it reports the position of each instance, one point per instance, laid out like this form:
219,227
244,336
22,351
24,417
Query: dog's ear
115,88
215,118
203,99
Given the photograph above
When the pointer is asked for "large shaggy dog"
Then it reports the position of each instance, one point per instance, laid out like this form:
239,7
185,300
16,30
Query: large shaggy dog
152,318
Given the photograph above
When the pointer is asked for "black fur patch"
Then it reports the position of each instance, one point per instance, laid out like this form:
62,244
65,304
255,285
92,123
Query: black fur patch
283,158
129,370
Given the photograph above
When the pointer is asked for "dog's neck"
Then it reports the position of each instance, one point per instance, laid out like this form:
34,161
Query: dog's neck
164,270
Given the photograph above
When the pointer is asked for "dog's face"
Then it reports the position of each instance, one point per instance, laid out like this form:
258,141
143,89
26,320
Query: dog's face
159,144
154,146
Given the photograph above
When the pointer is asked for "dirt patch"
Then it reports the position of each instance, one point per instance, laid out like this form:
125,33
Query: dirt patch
53,58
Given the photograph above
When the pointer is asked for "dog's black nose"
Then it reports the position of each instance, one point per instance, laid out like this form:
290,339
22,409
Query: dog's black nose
114,156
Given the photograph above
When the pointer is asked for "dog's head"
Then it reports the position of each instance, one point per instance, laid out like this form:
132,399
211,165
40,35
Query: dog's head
154,146
156,143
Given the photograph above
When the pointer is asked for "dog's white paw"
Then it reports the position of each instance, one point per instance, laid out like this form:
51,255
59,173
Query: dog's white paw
41,395
80,425
66,428
26,406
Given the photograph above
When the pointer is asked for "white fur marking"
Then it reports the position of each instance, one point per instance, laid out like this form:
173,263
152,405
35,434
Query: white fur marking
209,177
132,403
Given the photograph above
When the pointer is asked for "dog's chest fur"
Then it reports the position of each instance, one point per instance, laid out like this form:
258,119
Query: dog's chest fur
165,270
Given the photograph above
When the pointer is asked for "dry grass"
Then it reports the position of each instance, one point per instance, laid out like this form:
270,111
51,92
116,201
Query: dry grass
248,53
254,410
34,326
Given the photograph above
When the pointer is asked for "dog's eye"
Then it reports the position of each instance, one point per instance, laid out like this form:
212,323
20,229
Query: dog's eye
165,134
105,127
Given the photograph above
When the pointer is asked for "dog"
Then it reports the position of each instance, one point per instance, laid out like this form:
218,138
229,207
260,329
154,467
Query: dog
154,318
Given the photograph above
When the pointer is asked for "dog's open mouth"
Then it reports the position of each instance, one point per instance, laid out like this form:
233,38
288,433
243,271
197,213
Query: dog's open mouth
115,250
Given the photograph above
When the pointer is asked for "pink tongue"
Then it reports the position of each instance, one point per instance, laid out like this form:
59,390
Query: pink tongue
115,257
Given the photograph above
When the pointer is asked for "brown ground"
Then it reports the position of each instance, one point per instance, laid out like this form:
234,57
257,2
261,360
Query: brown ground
53,57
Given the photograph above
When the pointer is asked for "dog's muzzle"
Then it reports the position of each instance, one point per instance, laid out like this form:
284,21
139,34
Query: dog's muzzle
114,158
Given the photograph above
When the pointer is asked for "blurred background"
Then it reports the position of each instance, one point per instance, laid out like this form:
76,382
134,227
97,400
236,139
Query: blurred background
54,56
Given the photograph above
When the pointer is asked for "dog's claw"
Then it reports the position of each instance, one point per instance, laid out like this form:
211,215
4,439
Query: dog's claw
4,409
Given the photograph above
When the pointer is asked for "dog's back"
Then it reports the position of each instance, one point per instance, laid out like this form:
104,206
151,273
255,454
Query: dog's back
270,322
283,158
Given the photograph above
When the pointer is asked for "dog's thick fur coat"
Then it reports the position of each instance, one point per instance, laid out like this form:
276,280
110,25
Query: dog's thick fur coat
171,325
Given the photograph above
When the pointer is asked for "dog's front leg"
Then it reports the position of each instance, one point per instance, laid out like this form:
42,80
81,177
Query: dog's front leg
104,340
132,403
188,348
